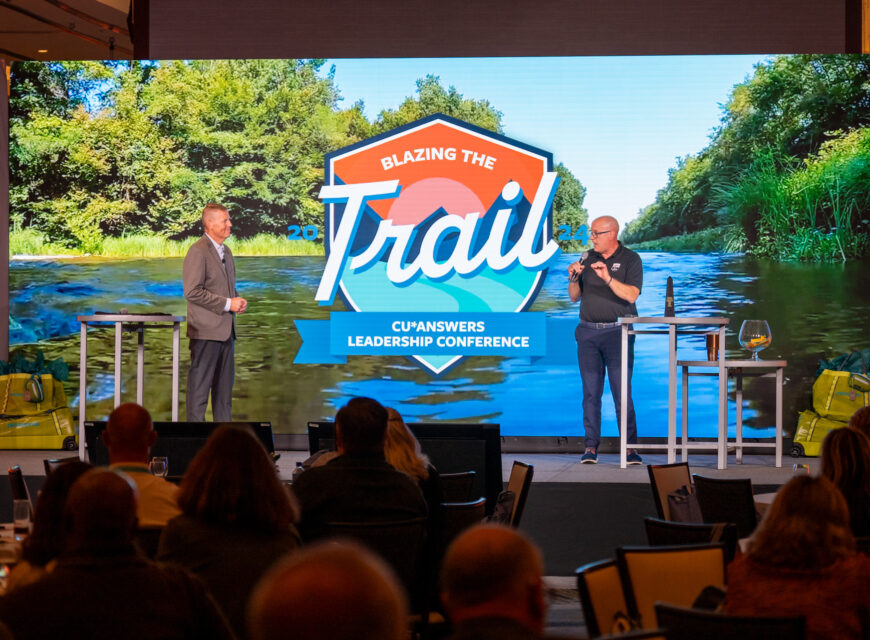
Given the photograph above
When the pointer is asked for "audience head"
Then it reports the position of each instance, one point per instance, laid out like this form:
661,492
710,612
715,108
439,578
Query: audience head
492,570
846,459
129,434
806,527
860,420
402,449
361,426
47,539
233,481
101,511
336,590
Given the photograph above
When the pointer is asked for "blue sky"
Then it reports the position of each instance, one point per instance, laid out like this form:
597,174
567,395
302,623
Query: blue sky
618,123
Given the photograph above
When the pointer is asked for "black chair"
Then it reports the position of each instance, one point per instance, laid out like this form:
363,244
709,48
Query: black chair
684,623
662,533
457,487
53,463
459,516
727,500
147,540
519,483
599,588
665,479
402,544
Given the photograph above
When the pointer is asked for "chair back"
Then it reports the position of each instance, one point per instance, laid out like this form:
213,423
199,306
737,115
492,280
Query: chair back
727,500
18,486
53,463
684,623
401,543
459,516
674,574
519,483
457,487
664,533
599,587
665,479
147,540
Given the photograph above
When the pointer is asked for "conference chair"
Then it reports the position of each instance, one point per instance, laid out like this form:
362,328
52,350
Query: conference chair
665,479
599,588
664,533
457,487
675,575
51,464
727,500
684,623
459,516
520,483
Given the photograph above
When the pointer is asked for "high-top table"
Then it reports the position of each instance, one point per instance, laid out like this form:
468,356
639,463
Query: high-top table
123,321
676,325
740,369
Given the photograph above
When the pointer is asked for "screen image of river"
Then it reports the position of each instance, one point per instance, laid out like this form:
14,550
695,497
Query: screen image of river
814,311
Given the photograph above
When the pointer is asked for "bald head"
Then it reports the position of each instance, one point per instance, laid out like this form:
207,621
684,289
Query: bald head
129,434
492,570
101,510
337,590
606,222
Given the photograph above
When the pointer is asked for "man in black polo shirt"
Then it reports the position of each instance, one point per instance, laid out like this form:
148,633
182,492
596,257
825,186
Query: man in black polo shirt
607,282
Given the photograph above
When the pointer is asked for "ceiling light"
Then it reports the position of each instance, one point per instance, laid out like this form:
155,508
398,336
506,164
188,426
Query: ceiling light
42,51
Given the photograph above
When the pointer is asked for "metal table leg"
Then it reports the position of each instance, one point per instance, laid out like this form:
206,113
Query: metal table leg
118,331
83,386
176,332
140,364
623,400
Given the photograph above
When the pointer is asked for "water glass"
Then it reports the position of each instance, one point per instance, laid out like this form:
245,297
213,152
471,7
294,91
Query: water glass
20,518
159,466
754,336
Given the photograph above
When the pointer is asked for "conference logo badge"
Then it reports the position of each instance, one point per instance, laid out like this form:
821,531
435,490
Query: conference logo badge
438,234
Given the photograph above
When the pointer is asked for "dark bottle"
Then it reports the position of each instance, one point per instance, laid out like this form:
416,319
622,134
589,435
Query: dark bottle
669,299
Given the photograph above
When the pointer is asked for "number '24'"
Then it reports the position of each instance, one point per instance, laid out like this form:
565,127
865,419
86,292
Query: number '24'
564,234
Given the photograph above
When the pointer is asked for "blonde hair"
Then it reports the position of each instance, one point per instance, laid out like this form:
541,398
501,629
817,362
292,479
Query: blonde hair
402,449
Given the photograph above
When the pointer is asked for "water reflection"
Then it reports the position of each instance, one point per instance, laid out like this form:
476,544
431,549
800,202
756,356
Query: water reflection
814,311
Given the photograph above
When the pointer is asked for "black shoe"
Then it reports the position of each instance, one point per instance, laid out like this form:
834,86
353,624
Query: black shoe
633,457
590,457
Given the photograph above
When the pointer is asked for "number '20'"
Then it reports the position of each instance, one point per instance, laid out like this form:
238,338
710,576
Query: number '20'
308,232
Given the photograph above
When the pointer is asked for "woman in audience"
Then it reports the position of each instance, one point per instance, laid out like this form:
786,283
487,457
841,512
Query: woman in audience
46,540
237,519
404,452
860,420
802,561
846,463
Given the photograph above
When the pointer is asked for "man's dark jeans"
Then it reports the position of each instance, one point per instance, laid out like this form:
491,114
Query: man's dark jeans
597,350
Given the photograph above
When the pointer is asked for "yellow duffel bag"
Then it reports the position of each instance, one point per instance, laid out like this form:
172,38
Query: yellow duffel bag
839,394
50,430
811,430
28,394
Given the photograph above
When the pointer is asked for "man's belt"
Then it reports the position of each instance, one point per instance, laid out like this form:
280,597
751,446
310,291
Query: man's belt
600,325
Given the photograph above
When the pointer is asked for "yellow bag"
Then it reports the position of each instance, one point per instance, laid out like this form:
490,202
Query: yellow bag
50,430
811,430
839,394
26,394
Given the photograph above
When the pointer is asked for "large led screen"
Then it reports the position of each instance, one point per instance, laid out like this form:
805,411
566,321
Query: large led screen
743,178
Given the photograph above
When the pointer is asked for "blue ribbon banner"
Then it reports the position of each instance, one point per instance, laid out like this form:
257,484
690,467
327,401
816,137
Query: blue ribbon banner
421,334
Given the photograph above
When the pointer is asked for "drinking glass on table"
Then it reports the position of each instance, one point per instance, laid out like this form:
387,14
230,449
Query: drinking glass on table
754,336
20,519
159,466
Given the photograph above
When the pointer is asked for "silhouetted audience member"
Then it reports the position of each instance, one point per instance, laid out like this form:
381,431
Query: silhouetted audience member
492,585
237,519
403,451
331,590
802,561
129,436
846,463
46,540
359,485
860,420
101,587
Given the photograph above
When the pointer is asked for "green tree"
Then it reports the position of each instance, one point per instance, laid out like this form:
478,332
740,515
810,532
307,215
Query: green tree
568,207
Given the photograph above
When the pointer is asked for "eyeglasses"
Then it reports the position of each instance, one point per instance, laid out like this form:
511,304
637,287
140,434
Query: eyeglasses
595,234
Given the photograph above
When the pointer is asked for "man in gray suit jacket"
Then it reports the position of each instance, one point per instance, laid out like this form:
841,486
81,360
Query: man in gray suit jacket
209,279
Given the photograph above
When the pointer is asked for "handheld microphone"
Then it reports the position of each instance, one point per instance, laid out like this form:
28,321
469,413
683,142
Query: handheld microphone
574,277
